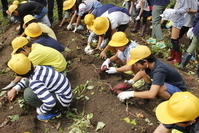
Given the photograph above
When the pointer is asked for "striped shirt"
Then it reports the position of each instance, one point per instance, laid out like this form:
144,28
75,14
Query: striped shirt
44,81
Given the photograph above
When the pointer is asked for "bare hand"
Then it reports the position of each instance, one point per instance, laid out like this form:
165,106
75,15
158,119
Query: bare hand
11,94
103,55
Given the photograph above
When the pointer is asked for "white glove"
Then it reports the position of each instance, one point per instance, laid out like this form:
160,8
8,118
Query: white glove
129,81
87,48
111,70
39,112
69,27
123,4
190,33
168,14
75,29
9,86
106,63
137,18
125,95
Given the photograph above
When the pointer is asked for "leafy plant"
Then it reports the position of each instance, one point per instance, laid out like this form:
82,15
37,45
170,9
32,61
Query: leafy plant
13,117
21,102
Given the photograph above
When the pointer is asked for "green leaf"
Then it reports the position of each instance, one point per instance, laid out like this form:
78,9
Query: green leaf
100,125
14,117
87,98
92,93
90,87
133,122
127,119
2,93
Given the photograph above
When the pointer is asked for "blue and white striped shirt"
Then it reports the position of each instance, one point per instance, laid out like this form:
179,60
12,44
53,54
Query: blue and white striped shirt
44,81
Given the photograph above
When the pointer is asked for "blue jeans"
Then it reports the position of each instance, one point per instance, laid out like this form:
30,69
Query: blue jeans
171,88
41,14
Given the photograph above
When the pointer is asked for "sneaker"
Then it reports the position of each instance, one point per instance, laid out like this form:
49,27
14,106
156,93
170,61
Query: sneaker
151,40
48,116
139,83
160,45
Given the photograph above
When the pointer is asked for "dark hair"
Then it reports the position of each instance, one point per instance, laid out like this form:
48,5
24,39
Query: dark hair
44,34
29,44
151,58
31,21
28,73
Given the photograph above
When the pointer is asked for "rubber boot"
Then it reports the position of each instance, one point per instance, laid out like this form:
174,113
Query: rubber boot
172,55
143,30
185,60
136,27
178,57
197,71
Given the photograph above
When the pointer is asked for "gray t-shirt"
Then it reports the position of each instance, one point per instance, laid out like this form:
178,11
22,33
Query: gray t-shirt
162,73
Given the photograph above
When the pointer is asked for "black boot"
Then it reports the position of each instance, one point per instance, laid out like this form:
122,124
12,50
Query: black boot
143,29
197,71
185,60
136,26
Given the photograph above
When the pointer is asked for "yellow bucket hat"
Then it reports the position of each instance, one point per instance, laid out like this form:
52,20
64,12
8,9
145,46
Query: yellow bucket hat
118,39
88,20
138,53
23,2
15,2
100,25
20,64
18,42
33,30
68,4
11,9
27,19
181,107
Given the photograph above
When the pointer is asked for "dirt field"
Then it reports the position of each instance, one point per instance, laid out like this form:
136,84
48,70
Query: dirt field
104,105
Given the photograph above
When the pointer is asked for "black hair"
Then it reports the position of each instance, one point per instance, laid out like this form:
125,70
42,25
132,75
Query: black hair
151,58
31,21
29,44
108,32
44,34
28,73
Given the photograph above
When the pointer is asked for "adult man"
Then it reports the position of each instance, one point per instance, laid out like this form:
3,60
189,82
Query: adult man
5,7
59,9
162,78
157,36
47,90
34,8
180,113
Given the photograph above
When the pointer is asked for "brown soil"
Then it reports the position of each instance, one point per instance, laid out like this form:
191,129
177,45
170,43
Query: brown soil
104,105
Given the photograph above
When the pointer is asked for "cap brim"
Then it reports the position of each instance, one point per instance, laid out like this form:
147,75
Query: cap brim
14,51
112,43
89,26
163,116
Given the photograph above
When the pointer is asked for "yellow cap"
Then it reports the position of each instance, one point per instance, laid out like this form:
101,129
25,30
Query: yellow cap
23,2
27,19
18,42
88,20
33,30
118,39
100,25
181,107
11,9
15,2
20,64
138,53
68,4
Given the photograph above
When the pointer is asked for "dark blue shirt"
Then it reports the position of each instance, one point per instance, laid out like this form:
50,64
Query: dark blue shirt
160,2
99,11
50,42
196,24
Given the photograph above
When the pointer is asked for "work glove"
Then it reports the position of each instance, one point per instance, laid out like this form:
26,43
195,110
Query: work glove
111,70
69,27
75,29
168,14
137,18
88,50
190,33
105,63
9,86
125,95
129,81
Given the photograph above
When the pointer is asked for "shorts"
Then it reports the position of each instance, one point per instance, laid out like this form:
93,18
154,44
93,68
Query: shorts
178,24
171,88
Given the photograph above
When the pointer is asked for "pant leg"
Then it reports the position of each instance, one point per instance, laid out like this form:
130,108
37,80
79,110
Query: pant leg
50,10
5,7
156,30
32,98
46,21
60,9
193,45
41,15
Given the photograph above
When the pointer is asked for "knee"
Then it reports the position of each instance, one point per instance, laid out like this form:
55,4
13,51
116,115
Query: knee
27,94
